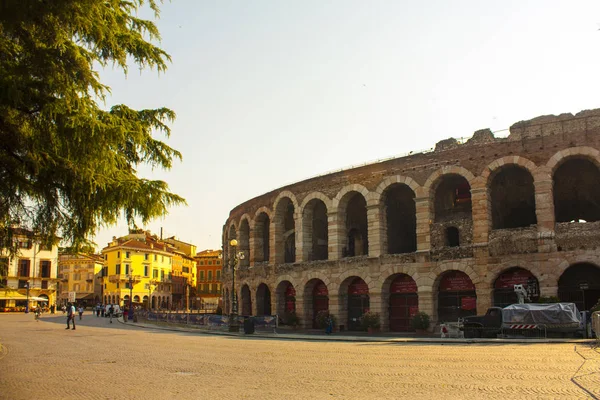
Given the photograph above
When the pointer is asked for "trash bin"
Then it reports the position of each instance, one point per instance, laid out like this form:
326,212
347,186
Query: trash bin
249,326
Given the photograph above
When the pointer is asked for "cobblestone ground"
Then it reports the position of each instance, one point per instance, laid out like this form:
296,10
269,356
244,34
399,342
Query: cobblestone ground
100,360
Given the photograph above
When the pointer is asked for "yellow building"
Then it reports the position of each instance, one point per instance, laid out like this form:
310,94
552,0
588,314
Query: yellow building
30,274
184,273
138,266
80,276
209,267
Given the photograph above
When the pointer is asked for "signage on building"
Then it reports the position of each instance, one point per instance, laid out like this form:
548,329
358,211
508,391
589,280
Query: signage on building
321,290
515,277
358,288
468,303
456,281
72,297
403,284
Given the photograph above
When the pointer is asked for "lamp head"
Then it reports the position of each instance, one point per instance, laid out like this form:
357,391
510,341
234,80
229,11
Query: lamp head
233,243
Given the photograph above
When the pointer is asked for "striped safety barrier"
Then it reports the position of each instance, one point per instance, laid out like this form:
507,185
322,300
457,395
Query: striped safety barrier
522,326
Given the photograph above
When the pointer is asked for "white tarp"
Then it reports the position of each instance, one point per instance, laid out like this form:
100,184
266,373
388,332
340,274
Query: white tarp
546,314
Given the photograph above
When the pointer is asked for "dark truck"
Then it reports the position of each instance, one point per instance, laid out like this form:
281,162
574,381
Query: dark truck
554,319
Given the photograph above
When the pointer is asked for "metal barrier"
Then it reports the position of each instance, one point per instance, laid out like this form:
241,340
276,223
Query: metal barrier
527,330
596,323
451,330
205,321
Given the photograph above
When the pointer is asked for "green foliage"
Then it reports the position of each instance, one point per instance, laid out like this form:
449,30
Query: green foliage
291,318
420,321
322,317
67,166
370,320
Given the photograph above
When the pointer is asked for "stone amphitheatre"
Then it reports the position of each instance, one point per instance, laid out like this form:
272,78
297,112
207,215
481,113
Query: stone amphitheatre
447,232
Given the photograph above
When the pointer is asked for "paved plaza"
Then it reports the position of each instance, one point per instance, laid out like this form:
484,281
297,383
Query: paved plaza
100,360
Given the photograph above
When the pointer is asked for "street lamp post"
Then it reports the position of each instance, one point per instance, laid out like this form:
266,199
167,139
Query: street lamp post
130,315
27,290
234,325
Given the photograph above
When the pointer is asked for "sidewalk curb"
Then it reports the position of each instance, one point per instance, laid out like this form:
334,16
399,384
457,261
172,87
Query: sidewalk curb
365,339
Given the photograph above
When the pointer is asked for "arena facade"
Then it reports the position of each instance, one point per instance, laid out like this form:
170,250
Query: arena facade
448,232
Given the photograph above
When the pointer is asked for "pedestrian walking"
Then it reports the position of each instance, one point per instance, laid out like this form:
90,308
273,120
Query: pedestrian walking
98,310
111,310
329,325
102,310
70,315
80,311
63,308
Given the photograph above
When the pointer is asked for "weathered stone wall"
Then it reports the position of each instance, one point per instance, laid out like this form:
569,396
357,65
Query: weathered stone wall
546,249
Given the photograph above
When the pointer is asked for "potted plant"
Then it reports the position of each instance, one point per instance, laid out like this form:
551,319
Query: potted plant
322,318
420,322
291,318
370,321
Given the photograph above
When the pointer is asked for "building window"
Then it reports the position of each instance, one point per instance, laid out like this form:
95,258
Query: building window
186,269
162,275
154,273
24,267
218,262
210,262
45,269
106,256
210,275
104,271
118,254
25,244
128,255
201,275
22,284
146,256
155,257
126,269
118,269
145,270
117,285
201,262
218,275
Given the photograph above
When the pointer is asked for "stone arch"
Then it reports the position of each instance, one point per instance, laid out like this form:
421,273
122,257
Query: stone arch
314,220
575,190
285,303
284,227
314,300
458,300
399,301
283,195
263,299
337,200
350,210
434,179
398,216
504,295
512,205
493,167
244,239
260,233
391,180
582,151
315,275
437,272
354,298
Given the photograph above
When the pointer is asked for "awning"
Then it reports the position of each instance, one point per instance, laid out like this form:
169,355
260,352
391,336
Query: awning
37,298
11,294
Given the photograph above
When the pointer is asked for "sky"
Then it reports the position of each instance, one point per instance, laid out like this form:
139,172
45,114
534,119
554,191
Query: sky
269,93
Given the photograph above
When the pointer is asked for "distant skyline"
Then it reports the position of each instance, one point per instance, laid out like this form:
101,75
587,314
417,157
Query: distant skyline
269,93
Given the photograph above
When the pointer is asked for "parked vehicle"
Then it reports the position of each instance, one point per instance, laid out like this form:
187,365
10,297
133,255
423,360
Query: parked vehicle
554,319
117,312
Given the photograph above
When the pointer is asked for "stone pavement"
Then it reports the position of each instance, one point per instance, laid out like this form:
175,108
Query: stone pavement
100,360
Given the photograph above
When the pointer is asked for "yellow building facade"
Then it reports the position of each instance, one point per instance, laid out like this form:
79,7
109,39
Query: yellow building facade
209,271
138,267
80,279
184,274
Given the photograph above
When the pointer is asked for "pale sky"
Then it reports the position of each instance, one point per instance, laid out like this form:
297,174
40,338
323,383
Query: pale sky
268,93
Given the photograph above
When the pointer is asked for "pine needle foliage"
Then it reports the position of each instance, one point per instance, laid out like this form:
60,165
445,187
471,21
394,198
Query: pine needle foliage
68,166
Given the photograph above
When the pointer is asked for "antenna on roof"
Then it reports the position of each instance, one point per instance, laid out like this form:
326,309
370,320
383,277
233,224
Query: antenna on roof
161,233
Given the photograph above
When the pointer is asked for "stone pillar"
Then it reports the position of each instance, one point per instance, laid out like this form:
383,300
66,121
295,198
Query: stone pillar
484,298
339,309
544,209
423,224
335,235
299,230
274,255
252,244
375,230
252,302
427,304
481,212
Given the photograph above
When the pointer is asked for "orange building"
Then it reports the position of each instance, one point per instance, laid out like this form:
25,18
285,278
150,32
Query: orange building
209,269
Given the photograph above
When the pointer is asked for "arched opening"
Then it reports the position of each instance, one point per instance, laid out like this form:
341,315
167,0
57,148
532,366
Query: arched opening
261,238
404,303
244,243
286,301
358,303
285,228
400,219
580,284
246,301
153,302
513,198
504,291
136,299
316,299
456,296
263,300
452,198
576,191
145,301
353,213
314,220
452,237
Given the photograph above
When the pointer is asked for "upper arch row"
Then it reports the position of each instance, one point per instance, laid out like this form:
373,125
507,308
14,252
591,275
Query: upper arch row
373,198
